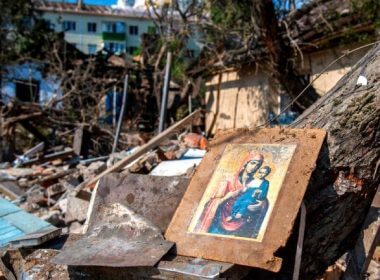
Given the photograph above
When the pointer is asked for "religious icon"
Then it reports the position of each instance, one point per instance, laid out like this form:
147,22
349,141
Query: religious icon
243,190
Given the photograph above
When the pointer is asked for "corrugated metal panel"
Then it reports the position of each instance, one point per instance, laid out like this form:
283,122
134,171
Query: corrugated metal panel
8,232
15,222
7,207
26,222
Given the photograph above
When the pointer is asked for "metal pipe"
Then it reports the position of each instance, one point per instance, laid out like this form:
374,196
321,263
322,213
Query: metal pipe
165,92
190,102
114,108
123,105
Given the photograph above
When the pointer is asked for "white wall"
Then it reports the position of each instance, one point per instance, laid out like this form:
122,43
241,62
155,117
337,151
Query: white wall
49,86
316,62
241,100
82,38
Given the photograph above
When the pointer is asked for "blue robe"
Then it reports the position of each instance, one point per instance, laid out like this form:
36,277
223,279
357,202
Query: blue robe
251,222
249,198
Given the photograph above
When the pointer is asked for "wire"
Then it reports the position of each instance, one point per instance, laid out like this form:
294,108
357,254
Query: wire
316,78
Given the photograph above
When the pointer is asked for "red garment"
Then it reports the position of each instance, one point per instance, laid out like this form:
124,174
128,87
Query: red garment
211,206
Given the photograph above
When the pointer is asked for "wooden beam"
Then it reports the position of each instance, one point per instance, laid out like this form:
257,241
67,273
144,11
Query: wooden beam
62,155
53,177
301,235
11,189
34,130
13,120
153,143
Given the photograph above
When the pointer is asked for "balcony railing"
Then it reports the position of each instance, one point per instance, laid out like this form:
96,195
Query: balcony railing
111,36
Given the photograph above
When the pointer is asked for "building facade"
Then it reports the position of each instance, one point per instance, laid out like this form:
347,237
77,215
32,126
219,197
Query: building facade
91,28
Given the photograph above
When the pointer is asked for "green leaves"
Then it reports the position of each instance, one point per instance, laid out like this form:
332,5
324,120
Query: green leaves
23,32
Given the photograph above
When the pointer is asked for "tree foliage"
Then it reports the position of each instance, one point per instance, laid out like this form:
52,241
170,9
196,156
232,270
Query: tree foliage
259,34
23,32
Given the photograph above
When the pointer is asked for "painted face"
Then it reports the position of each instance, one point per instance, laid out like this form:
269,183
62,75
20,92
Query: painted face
262,173
252,166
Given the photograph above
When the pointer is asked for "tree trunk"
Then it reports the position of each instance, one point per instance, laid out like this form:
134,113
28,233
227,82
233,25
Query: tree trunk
347,173
280,57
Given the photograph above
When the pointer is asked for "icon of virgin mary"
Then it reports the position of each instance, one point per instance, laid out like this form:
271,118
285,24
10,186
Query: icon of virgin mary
238,206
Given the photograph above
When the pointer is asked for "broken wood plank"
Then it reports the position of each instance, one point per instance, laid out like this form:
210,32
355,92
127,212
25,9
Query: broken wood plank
78,140
34,130
301,235
53,177
14,120
81,143
11,189
62,155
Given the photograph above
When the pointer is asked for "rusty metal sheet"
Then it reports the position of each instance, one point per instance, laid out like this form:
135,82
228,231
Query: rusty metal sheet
153,197
193,268
128,218
120,238
35,238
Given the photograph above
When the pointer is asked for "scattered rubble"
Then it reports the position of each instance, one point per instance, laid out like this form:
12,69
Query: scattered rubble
116,222
44,183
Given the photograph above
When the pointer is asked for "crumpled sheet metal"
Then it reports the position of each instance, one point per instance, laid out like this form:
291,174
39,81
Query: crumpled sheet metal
129,215
194,268
121,239
153,197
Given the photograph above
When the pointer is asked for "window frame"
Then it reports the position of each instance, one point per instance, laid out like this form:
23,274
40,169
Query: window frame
115,47
113,27
134,30
69,25
92,27
89,48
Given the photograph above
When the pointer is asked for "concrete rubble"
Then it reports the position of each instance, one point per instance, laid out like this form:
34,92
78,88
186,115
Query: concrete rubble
114,228
46,185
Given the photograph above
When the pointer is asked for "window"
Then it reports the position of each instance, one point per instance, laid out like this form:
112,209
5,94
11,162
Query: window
131,50
91,27
113,27
114,47
134,30
69,25
91,49
28,91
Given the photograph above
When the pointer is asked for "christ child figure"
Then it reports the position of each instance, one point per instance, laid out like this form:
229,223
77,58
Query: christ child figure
253,194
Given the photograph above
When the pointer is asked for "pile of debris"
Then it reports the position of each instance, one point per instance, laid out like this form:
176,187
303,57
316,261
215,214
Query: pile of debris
54,187
113,221
41,183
